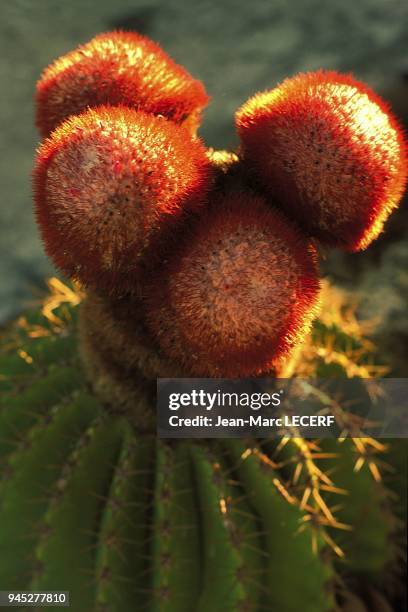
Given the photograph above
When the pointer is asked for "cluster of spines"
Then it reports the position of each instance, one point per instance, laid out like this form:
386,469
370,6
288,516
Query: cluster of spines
108,184
238,293
121,69
330,153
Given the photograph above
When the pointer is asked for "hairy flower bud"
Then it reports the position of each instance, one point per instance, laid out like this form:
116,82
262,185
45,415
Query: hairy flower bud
237,294
329,151
108,184
118,68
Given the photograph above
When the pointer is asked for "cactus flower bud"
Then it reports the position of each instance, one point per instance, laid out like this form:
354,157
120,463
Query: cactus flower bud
238,293
107,185
118,68
330,152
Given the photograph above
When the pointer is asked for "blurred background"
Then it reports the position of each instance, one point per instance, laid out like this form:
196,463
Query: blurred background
236,48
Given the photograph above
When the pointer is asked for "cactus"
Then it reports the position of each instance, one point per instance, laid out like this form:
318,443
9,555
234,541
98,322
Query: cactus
238,294
187,261
328,150
119,68
104,162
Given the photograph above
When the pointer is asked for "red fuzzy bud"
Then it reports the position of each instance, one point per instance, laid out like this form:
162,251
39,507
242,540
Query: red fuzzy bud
118,68
329,151
108,184
237,294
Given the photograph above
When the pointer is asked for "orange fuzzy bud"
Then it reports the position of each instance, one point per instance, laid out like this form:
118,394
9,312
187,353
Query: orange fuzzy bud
330,152
118,68
237,294
108,184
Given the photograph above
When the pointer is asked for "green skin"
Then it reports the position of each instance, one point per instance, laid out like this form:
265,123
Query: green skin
127,523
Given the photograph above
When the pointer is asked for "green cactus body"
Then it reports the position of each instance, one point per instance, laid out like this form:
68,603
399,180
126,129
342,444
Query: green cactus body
128,522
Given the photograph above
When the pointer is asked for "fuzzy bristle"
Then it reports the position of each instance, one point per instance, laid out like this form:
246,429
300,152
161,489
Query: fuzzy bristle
106,183
330,152
118,68
238,293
